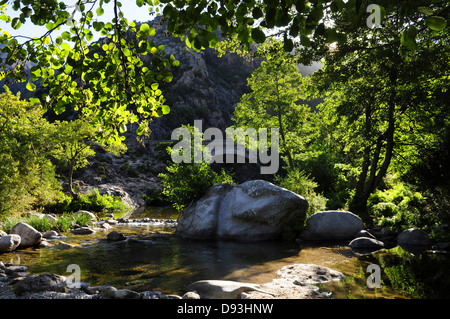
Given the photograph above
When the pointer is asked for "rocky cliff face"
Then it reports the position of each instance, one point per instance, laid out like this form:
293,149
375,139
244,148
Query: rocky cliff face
204,86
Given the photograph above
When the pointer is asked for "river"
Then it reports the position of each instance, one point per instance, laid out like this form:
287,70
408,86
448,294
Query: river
156,260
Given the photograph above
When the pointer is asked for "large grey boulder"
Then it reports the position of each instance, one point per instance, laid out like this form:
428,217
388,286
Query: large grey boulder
9,242
252,211
28,234
332,225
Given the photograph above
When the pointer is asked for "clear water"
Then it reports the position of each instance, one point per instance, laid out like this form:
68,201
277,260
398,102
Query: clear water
159,261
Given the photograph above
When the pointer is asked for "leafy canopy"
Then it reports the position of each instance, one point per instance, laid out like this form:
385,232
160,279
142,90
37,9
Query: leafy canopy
107,80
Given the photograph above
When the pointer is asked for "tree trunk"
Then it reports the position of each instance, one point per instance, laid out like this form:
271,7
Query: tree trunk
71,169
367,186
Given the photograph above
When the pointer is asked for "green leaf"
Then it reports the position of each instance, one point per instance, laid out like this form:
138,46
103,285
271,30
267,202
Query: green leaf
140,130
288,45
425,10
258,35
408,38
436,23
31,86
165,109
146,31
34,101
100,11
257,13
4,17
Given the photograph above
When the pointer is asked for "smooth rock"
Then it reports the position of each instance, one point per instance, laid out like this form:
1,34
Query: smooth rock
16,268
332,225
9,242
414,236
29,236
252,211
445,246
309,274
50,217
86,213
365,242
221,289
115,236
364,233
38,283
114,293
50,234
82,231
65,245
191,295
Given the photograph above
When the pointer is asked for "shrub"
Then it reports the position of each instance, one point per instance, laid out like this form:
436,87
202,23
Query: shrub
93,201
186,182
299,182
399,206
62,224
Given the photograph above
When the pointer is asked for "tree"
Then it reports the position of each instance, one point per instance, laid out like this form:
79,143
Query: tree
104,80
27,176
275,101
73,141
114,88
377,88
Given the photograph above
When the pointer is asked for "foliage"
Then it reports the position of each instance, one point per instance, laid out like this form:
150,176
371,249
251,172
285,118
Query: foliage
62,224
115,89
101,80
72,146
185,182
369,88
27,176
398,206
297,22
91,201
299,182
275,101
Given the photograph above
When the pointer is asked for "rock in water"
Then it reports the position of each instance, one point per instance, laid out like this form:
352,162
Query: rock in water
9,242
28,234
332,225
41,282
310,273
365,242
252,211
221,289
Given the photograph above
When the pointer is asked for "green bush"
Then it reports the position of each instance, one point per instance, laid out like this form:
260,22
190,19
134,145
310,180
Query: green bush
184,183
93,201
299,182
62,224
399,206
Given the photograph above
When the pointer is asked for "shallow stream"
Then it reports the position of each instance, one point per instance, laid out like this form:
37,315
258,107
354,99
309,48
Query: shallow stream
156,260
